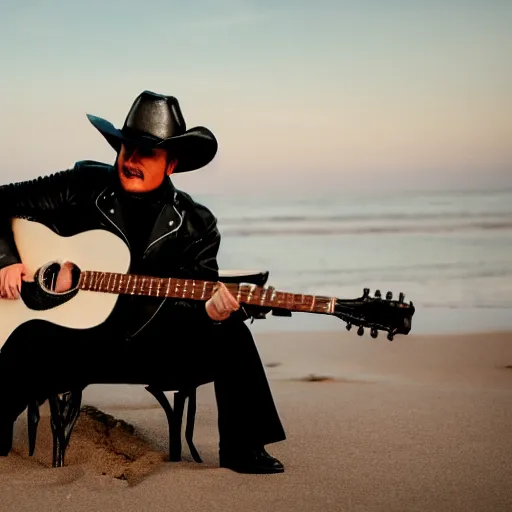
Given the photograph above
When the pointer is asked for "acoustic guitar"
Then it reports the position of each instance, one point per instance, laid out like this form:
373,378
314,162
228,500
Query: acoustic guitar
100,262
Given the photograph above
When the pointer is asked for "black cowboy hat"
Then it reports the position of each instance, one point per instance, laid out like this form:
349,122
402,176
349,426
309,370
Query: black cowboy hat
156,121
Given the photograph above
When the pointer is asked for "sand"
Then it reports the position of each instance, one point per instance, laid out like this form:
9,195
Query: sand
420,424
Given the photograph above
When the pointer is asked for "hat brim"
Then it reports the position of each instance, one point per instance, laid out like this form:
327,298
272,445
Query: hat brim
193,149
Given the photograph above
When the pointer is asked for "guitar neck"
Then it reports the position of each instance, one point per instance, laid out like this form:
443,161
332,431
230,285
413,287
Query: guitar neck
108,282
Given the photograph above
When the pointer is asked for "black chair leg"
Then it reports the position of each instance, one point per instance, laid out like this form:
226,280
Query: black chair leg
64,415
175,446
189,429
175,419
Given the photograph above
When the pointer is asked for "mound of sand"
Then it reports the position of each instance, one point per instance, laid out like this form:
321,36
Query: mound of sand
100,444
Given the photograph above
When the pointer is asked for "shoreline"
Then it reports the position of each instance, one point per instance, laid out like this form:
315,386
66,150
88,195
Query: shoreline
382,335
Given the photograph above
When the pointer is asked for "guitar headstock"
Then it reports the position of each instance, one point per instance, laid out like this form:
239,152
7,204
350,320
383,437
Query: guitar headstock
376,313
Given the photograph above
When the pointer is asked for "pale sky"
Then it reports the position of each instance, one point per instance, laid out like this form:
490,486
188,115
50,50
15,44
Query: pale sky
306,95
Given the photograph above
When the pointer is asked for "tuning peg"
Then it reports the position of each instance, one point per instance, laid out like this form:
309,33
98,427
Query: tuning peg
390,336
366,292
349,326
389,296
360,331
374,332
377,294
401,297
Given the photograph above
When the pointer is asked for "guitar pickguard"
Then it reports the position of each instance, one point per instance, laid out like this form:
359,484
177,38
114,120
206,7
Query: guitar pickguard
37,299
39,295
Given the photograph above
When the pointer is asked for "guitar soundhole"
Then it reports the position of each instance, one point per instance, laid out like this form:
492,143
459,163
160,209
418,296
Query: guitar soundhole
59,278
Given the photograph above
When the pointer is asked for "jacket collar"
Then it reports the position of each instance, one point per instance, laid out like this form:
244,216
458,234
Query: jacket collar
167,223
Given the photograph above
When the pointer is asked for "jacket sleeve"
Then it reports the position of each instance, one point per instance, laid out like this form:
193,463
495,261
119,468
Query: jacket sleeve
34,199
8,252
201,257
44,195
200,262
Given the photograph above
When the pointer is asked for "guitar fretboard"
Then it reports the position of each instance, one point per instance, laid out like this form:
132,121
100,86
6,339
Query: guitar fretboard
108,282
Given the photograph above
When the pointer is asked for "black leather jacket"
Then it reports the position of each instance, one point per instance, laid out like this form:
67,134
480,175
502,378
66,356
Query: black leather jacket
184,241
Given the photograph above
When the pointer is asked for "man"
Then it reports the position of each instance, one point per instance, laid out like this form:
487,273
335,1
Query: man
146,340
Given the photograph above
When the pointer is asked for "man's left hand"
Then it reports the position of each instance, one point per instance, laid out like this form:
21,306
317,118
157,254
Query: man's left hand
221,304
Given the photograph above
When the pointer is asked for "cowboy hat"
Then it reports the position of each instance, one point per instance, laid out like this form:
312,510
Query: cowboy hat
156,121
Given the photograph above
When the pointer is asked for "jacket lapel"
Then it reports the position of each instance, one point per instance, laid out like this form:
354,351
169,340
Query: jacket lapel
167,224
108,204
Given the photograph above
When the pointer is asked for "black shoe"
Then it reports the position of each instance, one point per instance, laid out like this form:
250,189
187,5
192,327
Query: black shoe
250,461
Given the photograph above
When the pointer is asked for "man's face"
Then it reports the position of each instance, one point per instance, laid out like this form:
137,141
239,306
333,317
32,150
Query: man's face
143,170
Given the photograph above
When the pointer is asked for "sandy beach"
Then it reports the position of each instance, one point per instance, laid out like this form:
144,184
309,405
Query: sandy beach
420,424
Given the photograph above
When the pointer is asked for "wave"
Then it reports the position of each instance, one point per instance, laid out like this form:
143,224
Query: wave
423,216
474,269
391,281
364,230
454,305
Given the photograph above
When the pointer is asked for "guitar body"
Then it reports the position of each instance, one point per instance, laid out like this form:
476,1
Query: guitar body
37,246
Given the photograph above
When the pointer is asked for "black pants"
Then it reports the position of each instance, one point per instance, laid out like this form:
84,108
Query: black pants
41,358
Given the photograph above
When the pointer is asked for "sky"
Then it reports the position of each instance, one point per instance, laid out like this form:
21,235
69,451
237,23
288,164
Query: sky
302,96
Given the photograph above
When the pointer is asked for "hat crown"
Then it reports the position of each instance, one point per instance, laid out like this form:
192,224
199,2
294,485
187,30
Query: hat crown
155,115
156,121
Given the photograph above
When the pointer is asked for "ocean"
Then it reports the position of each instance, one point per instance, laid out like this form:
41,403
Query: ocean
448,252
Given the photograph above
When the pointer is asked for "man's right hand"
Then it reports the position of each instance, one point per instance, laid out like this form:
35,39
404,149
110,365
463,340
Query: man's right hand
10,281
